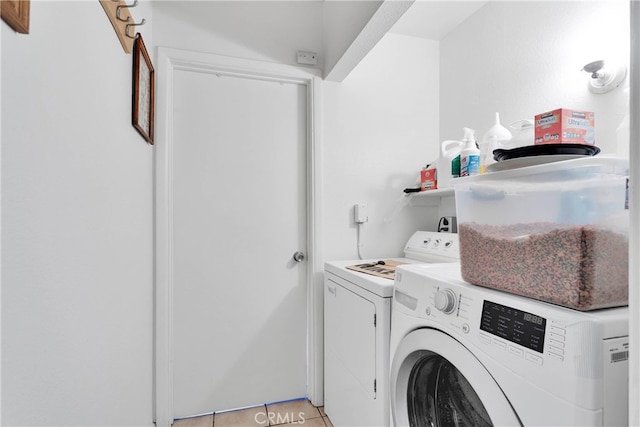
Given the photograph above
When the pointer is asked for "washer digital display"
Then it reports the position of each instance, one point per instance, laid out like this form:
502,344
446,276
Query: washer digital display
514,325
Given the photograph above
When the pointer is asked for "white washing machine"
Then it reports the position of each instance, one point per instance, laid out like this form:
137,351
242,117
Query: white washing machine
465,355
357,327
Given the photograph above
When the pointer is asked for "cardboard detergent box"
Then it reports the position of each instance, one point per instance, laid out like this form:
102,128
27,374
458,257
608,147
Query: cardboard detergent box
564,126
428,180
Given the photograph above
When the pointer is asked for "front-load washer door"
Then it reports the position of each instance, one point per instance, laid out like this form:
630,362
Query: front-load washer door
437,382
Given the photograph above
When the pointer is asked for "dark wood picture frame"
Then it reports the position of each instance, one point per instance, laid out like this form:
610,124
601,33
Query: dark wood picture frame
16,14
143,90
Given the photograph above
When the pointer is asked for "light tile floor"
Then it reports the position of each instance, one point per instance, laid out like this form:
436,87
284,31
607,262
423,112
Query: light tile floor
297,412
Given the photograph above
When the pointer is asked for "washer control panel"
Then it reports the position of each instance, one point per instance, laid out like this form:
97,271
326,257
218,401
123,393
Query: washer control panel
513,325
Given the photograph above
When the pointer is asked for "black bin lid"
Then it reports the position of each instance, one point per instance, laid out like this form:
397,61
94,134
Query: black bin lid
545,150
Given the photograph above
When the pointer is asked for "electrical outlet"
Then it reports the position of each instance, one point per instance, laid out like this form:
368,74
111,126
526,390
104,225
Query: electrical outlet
360,215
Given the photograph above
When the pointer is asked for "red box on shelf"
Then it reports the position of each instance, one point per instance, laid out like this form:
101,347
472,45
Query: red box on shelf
565,126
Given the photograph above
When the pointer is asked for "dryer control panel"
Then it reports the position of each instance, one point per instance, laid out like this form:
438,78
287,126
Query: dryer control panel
430,246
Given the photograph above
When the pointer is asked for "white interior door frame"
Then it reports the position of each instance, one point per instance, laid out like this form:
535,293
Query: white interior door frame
168,61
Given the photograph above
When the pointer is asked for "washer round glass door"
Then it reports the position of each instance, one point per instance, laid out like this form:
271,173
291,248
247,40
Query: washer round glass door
437,382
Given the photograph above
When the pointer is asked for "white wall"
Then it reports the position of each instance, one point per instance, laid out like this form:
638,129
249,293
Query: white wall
342,22
77,242
525,58
271,31
380,127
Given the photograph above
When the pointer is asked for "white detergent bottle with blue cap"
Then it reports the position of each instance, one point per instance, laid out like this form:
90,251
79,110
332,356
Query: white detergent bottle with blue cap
470,154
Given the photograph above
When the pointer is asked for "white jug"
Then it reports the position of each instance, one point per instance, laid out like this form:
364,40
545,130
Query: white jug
523,132
497,136
448,151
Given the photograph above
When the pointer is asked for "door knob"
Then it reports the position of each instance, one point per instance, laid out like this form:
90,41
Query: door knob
298,256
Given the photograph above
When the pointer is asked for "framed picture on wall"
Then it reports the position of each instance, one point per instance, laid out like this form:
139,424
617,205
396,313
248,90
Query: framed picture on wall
16,14
143,90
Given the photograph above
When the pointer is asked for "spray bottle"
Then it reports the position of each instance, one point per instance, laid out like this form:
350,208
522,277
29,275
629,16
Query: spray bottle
470,154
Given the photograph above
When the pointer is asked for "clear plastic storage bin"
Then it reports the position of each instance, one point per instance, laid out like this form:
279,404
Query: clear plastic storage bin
556,232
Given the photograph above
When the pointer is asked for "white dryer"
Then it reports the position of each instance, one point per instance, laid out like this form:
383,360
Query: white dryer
357,327
463,355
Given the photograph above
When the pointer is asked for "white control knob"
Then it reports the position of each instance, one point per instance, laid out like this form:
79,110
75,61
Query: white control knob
445,301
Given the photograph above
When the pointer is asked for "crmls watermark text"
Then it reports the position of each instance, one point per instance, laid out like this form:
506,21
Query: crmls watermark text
279,418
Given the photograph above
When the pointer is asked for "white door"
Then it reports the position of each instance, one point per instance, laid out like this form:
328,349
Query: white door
436,381
350,358
350,339
239,214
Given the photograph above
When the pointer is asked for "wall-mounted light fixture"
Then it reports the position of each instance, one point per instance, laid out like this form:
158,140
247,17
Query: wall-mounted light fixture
604,77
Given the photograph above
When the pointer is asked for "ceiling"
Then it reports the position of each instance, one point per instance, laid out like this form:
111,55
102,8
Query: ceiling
431,19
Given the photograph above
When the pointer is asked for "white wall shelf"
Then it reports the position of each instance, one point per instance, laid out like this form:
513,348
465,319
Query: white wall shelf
429,197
